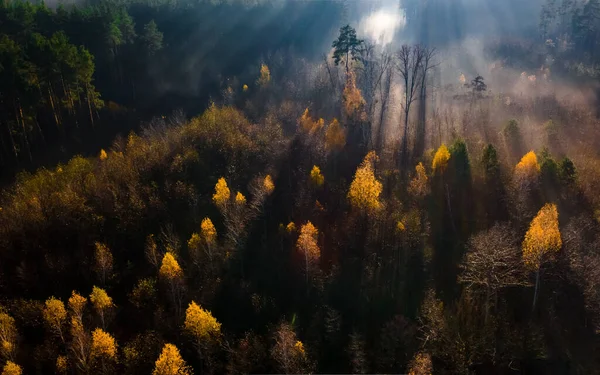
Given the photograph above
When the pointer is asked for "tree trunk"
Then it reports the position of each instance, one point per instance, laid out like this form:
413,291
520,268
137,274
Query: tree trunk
535,293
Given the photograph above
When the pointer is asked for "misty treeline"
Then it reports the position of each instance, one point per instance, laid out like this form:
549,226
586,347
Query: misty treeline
346,215
74,73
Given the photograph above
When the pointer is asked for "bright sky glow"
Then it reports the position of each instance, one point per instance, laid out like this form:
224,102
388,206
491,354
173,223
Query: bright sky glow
381,25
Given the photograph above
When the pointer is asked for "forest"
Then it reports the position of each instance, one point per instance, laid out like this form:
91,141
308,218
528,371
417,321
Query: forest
299,186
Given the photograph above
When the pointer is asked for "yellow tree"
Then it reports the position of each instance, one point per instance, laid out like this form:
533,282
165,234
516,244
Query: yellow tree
365,188
102,303
542,241
80,342
103,349
8,335
55,316
421,365
308,125
201,245
205,330
222,194
354,104
265,75
335,136
103,261
440,159
289,352
170,362
419,185
11,368
316,178
527,170
307,245
171,273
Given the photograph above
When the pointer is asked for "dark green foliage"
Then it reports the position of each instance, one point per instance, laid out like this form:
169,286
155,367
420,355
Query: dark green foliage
347,46
513,140
567,171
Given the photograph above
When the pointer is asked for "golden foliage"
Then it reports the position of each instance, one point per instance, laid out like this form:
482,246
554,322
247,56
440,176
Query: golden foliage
353,101
208,231
222,193
54,314
307,125
103,345
299,347
8,335
528,169
201,324
365,188
240,199
245,88
441,158
103,155
265,75
335,136
419,185
307,242
400,226
77,303
421,365
170,269
291,227
62,364
268,184
316,177
100,299
170,362
11,368
543,237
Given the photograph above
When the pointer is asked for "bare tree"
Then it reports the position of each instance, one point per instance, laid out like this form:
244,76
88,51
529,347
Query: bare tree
409,65
428,64
493,262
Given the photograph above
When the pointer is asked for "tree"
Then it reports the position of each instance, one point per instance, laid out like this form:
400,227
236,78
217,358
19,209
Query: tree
541,242
440,159
288,352
102,303
335,136
103,262
201,324
347,47
421,364
492,263
265,75
316,178
307,245
11,368
171,274
419,185
365,189
152,38
55,316
410,66
527,170
222,193
170,362
8,335
103,349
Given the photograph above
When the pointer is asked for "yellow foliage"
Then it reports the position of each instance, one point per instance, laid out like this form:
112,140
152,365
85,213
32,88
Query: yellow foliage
222,193
307,242
543,237
201,324
62,364
441,158
195,241
335,136
103,345
170,269
291,227
400,226
419,186
170,362
100,299
245,88
365,188
77,303
306,123
299,347
11,368
240,199
8,334
268,184
316,177
528,168
209,233
421,365
103,155
353,101
265,75
54,313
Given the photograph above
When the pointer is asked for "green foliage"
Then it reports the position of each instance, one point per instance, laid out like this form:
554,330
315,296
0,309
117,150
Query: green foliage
347,46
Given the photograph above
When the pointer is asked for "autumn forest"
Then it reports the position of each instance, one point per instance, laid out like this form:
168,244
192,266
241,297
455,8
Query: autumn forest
295,186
